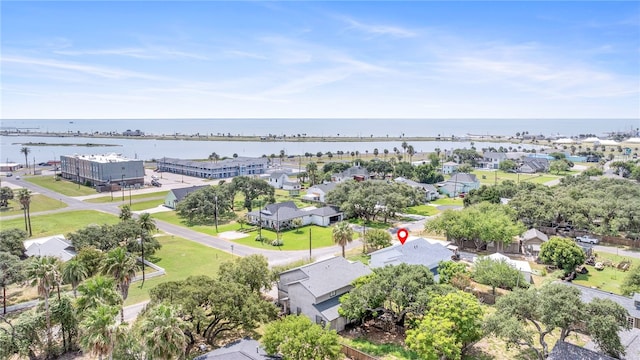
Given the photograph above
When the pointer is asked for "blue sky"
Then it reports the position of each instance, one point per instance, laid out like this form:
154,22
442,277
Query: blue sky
416,59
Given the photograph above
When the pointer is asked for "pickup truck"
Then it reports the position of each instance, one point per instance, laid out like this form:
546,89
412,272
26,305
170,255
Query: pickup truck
588,239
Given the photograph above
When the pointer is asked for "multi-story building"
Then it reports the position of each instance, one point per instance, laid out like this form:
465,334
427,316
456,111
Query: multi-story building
102,170
240,166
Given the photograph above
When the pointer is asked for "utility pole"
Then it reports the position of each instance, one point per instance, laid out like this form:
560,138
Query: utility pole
216,198
122,185
142,246
309,243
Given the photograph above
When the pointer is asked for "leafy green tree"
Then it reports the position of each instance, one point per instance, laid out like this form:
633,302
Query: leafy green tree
24,196
342,234
559,166
563,253
405,170
65,317
99,330
554,306
508,165
96,291
377,238
465,168
122,267
297,338
162,332
433,339
448,270
214,308
297,223
631,283
24,336
252,271
203,205
44,272
91,258
125,213
74,272
6,194
11,272
12,241
427,174
498,273
593,171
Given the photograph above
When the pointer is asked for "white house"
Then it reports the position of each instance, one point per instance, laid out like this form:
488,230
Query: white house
281,180
449,167
56,246
357,173
281,215
314,290
414,252
492,160
318,192
430,191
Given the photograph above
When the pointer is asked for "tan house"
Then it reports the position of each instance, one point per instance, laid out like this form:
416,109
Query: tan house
531,241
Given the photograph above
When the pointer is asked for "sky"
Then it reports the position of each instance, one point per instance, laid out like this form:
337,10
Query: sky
336,59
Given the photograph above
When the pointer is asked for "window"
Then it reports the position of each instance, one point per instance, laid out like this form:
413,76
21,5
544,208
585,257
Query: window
319,319
630,321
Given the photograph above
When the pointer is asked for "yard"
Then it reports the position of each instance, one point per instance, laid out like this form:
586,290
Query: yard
448,201
61,223
38,203
490,177
117,197
424,210
180,258
61,186
610,278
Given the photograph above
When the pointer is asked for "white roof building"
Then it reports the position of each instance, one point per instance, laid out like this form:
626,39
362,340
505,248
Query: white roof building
55,245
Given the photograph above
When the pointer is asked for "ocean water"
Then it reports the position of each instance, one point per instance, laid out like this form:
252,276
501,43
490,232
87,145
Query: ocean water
333,127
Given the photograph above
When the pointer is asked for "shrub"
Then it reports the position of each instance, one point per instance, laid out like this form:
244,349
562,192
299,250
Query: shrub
277,242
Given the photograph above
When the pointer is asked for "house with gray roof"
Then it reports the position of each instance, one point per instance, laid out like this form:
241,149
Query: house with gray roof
632,305
531,241
281,215
630,339
414,252
532,165
314,290
318,192
567,351
460,183
357,173
430,191
492,159
176,195
449,167
56,246
243,349
281,180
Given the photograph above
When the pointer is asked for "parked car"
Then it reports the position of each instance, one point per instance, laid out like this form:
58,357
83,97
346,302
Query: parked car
588,239
9,174
155,183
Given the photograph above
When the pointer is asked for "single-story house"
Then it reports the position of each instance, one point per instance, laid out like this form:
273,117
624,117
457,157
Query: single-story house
243,349
176,195
630,339
532,165
492,160
567,351
9,166
531,241
632,305
460,183
281,215
357,173
55,245
318,192
522,266
314,290
430,191
281,180
414,252
449,167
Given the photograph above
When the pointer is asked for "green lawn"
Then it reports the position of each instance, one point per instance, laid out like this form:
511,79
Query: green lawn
491,177
117,197
383,351
144,205
371,224
320,236
180,258
61,223
448,201
608,279
424,210
61,186
38,203
283,195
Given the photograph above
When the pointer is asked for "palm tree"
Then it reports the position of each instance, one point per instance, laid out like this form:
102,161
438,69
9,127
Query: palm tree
25,150
386,152
342,234
44,271
99,330
125,213
96,291
215,157
311,169
411,151
404,146
161,333
74,272
147,225
122,267
24,196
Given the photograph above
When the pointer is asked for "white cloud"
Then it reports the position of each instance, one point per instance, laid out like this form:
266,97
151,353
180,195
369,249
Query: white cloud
384,30
135,52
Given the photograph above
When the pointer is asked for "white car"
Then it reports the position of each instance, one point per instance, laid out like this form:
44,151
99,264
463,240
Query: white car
588,239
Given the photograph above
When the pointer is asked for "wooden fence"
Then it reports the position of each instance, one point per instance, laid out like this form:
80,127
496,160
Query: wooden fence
356,354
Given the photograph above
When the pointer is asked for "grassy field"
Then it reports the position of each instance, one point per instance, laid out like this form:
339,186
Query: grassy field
117,197
283,195
144,205
608,279
62,186
448,201
491,177
38,203
424,210
180,258
62,223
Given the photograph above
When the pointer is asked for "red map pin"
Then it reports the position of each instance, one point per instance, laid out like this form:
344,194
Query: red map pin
403,234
